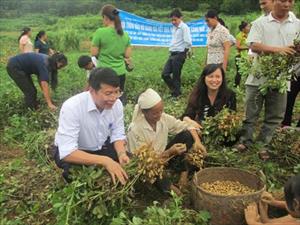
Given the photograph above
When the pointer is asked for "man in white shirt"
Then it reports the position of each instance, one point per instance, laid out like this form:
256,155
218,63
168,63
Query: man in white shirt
180,45
269,34
91,127
266,6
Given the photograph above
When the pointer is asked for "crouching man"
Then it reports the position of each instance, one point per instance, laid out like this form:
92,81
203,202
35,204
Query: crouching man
91,128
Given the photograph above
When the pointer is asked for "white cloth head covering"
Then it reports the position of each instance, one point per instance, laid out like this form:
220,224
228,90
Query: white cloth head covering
147,100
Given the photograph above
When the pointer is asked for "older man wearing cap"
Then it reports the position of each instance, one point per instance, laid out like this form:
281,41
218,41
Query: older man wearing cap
151,125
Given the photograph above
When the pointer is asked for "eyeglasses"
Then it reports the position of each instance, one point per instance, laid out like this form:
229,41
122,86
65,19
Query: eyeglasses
116,94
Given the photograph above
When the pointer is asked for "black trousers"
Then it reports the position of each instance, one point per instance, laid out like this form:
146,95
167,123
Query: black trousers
172,72
25,83
177,163
291,98
123,98
237,79
106,150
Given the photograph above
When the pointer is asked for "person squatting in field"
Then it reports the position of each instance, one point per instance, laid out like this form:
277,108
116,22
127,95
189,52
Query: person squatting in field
22,66
151,125
111,45
180,44
91,127
291,204
86,62
210,95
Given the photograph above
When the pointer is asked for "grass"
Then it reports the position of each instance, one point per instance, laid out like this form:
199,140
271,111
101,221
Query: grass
27,175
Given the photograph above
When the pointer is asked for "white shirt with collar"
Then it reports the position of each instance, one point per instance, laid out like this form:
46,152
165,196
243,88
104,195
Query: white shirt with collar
181,38
82,126
140,132
269,31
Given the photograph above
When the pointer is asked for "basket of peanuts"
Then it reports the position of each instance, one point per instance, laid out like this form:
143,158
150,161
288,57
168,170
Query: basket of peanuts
225,192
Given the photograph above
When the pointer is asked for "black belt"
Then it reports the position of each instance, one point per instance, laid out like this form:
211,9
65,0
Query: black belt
176,53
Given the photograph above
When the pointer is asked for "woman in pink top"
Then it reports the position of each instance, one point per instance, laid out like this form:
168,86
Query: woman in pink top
25,44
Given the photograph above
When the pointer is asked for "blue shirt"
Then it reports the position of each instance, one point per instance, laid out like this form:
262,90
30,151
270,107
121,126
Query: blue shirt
32,63
43,47
181,38
82,126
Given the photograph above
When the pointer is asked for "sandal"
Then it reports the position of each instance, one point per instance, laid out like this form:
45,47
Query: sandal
241,147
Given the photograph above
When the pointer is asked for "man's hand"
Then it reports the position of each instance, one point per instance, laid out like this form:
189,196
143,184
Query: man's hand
123,158
52,107
115,170
178,149
198,145
287,50
251,214
267,198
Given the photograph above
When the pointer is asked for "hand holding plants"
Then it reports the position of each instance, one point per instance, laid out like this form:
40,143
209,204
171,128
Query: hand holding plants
115,170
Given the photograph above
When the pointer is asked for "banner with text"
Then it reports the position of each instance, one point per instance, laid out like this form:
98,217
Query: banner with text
146,32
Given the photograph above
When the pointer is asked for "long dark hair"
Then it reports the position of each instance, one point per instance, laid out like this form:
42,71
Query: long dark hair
53,60
113,14
39,35
25,31
199,92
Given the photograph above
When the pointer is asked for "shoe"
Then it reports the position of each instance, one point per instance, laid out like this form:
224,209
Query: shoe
240,147
264,154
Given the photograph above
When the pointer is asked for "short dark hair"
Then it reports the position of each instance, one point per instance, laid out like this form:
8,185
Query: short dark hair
211,14
84,60
176,13
292,191
243,25
100,76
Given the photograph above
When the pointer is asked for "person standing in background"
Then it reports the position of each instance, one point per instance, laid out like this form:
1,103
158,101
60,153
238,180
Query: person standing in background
111,45
41,44
218,41
266,6
25,44
271,34
291,99
242,48
180,45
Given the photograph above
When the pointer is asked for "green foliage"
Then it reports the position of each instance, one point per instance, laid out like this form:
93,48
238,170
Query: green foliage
222,128
65,40
285,147
276,70
91,198
25,185
172,213
235,7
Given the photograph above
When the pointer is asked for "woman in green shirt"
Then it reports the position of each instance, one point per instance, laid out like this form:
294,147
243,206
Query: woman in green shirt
242,48
111,44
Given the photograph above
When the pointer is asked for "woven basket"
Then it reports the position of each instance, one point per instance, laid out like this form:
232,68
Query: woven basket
225,210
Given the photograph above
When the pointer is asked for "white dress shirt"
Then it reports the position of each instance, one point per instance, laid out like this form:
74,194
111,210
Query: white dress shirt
82,126
181,38
269,31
